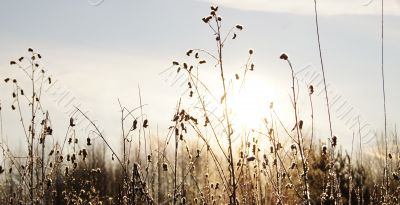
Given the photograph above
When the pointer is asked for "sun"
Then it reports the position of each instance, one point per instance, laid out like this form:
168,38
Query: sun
249,105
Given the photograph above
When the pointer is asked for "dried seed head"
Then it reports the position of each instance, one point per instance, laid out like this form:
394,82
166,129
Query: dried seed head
301,124
293,147
189,52
175,63
237,76
251,51
207,19
134,126
252,67
284,56
165,166
324,150
240,27
12,63
71,122
30,50
251,158
214,8
145,123
334,141
311,89
6,80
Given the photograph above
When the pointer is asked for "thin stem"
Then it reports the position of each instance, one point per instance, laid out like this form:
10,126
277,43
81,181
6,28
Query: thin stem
231,164
322,68
299,138
384,102
32,132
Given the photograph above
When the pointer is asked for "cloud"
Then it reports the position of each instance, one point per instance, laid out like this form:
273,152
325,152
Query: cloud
306,7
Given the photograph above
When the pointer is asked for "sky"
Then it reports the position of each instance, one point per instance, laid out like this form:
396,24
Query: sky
99,51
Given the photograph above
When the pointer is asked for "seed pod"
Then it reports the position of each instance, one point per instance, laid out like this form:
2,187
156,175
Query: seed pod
240,27
71,122
251,158
252,67
134,126
334,141
145,123
251,51
324,150
284,56
301,124
293,147
311,89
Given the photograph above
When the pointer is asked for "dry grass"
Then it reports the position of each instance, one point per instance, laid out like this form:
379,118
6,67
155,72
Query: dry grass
198,161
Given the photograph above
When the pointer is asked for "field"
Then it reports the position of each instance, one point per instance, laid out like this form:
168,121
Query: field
208,155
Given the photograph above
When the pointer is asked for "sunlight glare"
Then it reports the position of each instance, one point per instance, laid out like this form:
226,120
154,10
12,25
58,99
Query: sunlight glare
250,104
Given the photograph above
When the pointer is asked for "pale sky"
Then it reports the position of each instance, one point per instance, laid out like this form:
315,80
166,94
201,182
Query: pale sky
102,53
